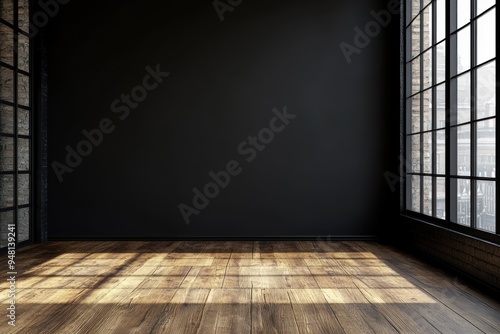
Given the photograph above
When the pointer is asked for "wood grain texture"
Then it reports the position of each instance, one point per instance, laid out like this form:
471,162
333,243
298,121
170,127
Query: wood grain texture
240,287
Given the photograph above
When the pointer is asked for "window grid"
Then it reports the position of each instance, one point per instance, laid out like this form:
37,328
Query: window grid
16,123
430,145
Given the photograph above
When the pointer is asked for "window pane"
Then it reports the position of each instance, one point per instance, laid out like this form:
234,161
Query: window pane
440,101
486,90
427,109
482,5
463,150
23,154
415,153
6,119
441,19
441,152
23,224
24,53
23,189
415,75
427,209
486,37
463,50
427,69
463,98
414,113
415,37
440,198
6,154
7,10
463,202
486,148
463,12
6,191
6,218
23,15
486,208
415,7
6,84
415,193
23,121
441,62
23,93
427,152
427,27
7,46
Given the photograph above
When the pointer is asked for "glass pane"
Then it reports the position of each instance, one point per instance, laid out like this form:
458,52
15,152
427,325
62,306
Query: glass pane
441,152
441,20
463,50
463,12
23,189
486,197
463,202
24,53
486,148
23,93
6,191
6,84
7,10
486,37
7,44
415,75
6,154
463,150
427,27
427,209
6,218
23,15
23,154
427,69
23,224
415,37
427,152
415,113
441,62
415,193
23,125
482,5
415,7
415,153
440,101
6,119
440,198
463,98
427,109
486,90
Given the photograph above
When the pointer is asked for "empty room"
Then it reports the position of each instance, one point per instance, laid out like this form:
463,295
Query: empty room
248,166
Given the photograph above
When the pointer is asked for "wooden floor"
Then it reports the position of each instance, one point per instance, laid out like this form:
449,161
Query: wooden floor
239,287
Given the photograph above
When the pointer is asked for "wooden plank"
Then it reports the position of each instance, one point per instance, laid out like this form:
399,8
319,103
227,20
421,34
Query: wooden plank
272,312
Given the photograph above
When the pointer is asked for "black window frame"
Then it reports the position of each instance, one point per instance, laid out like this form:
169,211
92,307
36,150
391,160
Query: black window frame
450,186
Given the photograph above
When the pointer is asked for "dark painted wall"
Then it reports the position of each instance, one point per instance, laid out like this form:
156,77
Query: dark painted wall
321,175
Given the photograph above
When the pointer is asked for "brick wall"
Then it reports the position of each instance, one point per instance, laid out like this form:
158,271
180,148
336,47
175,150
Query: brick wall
476,258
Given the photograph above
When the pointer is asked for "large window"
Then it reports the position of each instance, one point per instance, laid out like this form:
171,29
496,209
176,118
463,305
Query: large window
450,108
15,121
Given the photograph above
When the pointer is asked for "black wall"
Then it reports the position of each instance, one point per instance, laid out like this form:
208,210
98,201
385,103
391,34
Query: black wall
322,175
